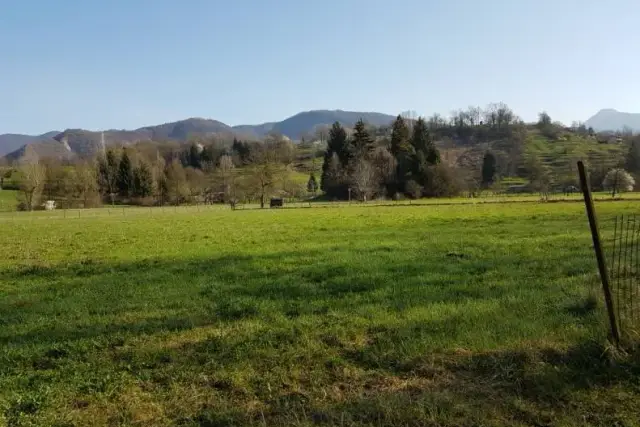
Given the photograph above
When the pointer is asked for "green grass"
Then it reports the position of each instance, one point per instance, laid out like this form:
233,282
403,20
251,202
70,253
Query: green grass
8,200
447,315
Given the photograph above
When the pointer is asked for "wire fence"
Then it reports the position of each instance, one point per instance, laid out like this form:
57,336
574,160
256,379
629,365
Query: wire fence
624,274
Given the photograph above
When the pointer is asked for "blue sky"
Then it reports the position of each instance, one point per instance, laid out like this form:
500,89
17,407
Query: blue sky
128,63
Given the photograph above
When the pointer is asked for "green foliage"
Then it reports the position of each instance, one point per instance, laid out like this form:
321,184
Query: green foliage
193,157
143,180
333,177
547,127
338,143
361,141
441,181
108,172
312,184
400,138
632,161
125,175
488,169
425,154
544,120
336,159
463,139
242,150
422,143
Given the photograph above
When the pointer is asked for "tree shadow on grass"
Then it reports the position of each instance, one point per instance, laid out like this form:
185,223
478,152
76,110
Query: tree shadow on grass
152,295
93,310
579,386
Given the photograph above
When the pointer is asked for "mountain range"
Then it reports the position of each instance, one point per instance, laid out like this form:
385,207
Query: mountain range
79,142
73,142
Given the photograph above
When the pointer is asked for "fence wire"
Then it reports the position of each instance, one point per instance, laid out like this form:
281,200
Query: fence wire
624,273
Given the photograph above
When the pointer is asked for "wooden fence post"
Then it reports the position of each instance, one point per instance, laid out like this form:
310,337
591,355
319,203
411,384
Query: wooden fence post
597,247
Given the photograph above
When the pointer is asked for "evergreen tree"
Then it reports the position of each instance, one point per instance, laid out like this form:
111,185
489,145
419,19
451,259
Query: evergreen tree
242,150
399,137
425,155
312,184
339,143
633,157
108,175
333,177
361,141
488,169
421,142
194,157
207,157
401,149
338,147
125,175
143,180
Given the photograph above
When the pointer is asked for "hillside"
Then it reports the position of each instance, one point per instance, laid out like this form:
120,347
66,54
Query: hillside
10,142
183,129
45,148
307,122
613,120
86,143
558,157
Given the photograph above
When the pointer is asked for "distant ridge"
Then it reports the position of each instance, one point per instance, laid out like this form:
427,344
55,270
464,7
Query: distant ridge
80,142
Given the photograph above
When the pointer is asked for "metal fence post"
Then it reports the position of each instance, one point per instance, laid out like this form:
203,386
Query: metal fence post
597,247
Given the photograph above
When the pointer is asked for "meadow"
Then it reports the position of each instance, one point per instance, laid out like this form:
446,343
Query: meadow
8,200
442,314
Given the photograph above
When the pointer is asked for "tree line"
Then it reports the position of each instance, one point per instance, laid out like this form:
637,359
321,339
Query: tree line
363,162
152,175
409,165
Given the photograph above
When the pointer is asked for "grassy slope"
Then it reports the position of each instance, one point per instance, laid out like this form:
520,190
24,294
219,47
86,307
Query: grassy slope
562,156
441,315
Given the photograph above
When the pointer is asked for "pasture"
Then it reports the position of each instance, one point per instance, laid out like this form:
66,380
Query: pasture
444,315
8,200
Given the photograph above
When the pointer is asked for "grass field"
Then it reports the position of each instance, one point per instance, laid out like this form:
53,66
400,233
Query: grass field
444,315
8,200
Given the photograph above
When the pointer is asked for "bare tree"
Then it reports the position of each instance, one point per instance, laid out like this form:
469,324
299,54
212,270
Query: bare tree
363,179
32,179
474,114
385,165
196,182
409,117
540,177
265,171
177,186
435,122
86,186
224,176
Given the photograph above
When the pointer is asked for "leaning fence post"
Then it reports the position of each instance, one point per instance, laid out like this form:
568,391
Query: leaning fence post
597,247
